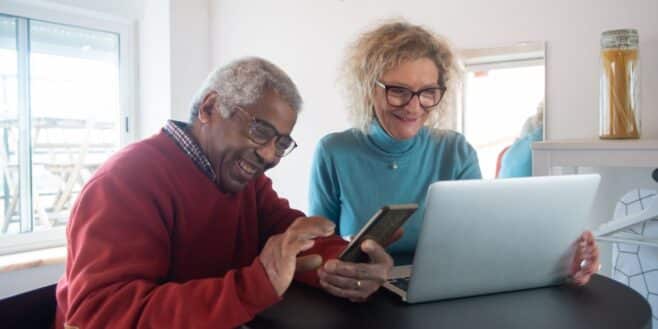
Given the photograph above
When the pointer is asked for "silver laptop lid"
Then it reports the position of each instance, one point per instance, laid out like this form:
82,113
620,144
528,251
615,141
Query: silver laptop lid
486,236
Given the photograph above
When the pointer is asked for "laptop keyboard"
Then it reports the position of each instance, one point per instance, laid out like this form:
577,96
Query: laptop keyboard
402,283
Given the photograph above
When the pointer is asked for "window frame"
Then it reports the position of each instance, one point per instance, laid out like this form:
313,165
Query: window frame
126,30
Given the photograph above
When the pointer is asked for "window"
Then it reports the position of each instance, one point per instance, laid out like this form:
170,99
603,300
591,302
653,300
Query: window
503,88
62,114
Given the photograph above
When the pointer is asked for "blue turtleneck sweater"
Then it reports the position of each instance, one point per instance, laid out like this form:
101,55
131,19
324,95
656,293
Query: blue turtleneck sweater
354,174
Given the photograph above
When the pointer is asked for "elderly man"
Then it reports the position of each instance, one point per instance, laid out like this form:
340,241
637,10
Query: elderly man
183,230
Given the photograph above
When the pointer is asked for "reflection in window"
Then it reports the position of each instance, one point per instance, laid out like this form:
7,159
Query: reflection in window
497,103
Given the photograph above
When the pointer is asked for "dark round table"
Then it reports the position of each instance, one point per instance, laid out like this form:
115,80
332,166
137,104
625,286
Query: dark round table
602,304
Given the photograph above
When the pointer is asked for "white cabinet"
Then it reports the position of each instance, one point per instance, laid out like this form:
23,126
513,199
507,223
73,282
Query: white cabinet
594,153
624,165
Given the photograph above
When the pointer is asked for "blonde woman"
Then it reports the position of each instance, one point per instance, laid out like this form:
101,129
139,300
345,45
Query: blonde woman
400,79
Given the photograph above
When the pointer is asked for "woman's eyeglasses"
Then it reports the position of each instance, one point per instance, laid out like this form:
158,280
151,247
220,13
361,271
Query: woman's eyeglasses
399,96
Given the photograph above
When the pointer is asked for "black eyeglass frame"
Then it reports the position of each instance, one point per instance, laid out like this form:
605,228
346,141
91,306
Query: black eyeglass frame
276,135
388,87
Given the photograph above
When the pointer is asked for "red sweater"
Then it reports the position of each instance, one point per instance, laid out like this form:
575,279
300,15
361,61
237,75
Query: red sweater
153,243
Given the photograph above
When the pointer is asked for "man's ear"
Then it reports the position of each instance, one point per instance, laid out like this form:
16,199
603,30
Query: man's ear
208,106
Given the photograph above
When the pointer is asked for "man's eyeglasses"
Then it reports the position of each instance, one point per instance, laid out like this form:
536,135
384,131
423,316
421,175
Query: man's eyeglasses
400,96
261,132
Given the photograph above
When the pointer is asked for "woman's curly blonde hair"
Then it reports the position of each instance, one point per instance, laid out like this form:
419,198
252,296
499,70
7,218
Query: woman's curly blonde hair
383,48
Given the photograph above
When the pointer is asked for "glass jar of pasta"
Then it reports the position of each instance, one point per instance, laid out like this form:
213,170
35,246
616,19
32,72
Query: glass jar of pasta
619,99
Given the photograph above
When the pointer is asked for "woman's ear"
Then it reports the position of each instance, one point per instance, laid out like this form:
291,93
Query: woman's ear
208,107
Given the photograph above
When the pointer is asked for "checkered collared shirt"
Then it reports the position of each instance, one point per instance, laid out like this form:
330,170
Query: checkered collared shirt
178,132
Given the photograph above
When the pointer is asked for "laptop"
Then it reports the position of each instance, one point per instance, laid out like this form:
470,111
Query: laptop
488,236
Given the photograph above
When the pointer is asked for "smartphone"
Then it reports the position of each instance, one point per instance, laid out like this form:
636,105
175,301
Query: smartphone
379,228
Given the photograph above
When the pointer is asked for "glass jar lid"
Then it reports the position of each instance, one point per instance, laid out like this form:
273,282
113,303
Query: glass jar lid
624,38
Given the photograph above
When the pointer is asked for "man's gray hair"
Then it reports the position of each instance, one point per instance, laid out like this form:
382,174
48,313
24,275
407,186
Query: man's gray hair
243,83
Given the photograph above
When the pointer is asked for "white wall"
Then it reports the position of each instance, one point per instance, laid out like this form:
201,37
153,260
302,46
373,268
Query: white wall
17,282
307,39
154,67
174,59
190,52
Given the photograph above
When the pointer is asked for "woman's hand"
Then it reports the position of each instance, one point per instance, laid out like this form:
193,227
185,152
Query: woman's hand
585,260
357,281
